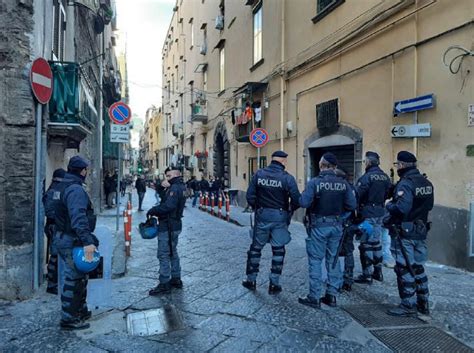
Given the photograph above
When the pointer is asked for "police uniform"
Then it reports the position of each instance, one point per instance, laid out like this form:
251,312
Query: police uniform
49,229
412,201
74,221
169,213
269,194
329,198
372,189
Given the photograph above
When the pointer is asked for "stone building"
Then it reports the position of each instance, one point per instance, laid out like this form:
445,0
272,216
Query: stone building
76,37
326,75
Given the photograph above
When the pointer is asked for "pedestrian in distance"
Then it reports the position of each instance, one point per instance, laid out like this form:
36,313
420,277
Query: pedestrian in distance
108,189
140,185
372,189
74,225
328,198
413,199
273,195
49,230
169,214
197,191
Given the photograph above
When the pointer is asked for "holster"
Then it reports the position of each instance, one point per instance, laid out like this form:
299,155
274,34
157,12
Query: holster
416,230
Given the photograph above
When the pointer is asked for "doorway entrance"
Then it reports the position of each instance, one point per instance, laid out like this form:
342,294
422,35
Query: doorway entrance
221,154
344,154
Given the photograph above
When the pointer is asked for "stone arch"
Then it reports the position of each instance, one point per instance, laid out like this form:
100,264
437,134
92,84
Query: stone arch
221,156
343,140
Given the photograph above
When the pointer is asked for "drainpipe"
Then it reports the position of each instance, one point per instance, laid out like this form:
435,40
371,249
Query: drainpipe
415,79
282,79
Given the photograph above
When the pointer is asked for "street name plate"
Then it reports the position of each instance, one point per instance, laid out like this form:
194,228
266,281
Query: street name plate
416,130
119,133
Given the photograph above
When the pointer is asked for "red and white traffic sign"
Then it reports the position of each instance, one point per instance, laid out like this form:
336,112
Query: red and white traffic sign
120,113
259,137
41,78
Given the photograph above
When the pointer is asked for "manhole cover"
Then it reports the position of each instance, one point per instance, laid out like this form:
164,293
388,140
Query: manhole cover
420,339
371,316
154,322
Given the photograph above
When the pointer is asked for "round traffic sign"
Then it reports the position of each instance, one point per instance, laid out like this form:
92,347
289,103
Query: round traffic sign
259,137
41,78
120,113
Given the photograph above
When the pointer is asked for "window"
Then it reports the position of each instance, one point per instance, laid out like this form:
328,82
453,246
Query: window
191,22
257,35
327,116
222,69
323,7
59,30
204,80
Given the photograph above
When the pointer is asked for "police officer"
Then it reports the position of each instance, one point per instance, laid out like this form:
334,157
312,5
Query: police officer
49,230
413,199
328,197
169,213
372,189
268,194
74,222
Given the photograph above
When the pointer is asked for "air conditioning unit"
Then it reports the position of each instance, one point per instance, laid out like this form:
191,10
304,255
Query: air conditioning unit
203,50
220,23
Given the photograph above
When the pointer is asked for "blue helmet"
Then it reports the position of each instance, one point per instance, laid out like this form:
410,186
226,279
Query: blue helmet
366,227
149,229
80,260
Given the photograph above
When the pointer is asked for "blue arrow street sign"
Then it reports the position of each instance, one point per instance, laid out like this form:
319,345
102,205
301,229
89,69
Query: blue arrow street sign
414,104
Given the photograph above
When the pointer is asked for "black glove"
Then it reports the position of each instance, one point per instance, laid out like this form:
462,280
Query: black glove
95,240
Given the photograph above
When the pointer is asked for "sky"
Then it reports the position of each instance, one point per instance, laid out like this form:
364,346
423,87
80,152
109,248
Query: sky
144,24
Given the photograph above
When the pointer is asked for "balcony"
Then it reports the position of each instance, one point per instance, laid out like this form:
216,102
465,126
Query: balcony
199,110
72,114
242,132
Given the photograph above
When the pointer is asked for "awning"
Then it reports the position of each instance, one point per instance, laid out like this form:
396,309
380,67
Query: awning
331,140
251,87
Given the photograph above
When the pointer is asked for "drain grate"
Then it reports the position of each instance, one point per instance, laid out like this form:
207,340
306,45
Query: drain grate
420,339
372,316
154,322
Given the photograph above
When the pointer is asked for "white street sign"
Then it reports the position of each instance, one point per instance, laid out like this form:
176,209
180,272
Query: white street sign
470,116
119,133
417,130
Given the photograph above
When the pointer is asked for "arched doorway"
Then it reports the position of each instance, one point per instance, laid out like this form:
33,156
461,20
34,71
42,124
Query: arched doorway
346,144
222,154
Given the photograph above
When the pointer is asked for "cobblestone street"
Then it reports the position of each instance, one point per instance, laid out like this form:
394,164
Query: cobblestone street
218,314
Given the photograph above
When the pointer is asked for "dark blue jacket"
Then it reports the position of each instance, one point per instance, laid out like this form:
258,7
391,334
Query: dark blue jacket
48,202
328,195
413,198
373,189
272,187
170,210
74,214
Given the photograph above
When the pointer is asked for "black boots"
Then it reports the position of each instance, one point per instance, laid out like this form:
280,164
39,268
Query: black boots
74,324
161,288
402,310
176,283
377,275
274,288
329,300
346,287
423,307
252,285
309,301
363,279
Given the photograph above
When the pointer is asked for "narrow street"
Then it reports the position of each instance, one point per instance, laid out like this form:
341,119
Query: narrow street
215,313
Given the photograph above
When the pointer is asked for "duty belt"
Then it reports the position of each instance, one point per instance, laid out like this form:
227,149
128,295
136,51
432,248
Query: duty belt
326,219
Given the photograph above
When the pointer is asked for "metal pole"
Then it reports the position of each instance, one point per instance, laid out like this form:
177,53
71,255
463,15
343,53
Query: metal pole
258,158
118,186
37,234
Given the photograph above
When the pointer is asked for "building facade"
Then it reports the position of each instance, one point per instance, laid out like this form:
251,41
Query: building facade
76,37
325,75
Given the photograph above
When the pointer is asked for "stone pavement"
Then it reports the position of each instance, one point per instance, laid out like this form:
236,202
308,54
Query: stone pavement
218,314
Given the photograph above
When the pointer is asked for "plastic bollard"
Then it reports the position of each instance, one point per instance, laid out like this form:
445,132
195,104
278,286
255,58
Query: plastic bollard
126,233
227,207
200,200
219,206
212,204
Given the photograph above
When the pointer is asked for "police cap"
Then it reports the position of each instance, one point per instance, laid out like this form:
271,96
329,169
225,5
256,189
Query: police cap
59,173
280,154
330,158
374,155
77,162
405,156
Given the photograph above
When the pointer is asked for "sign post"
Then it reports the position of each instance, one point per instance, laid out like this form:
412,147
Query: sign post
415,130
41,80
259,138
120,115
414,104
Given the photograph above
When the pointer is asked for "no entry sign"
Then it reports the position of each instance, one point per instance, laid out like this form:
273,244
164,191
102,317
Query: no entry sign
259,137
120,113
41,78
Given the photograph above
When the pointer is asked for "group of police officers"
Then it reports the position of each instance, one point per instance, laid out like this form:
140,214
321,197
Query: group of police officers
336,211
